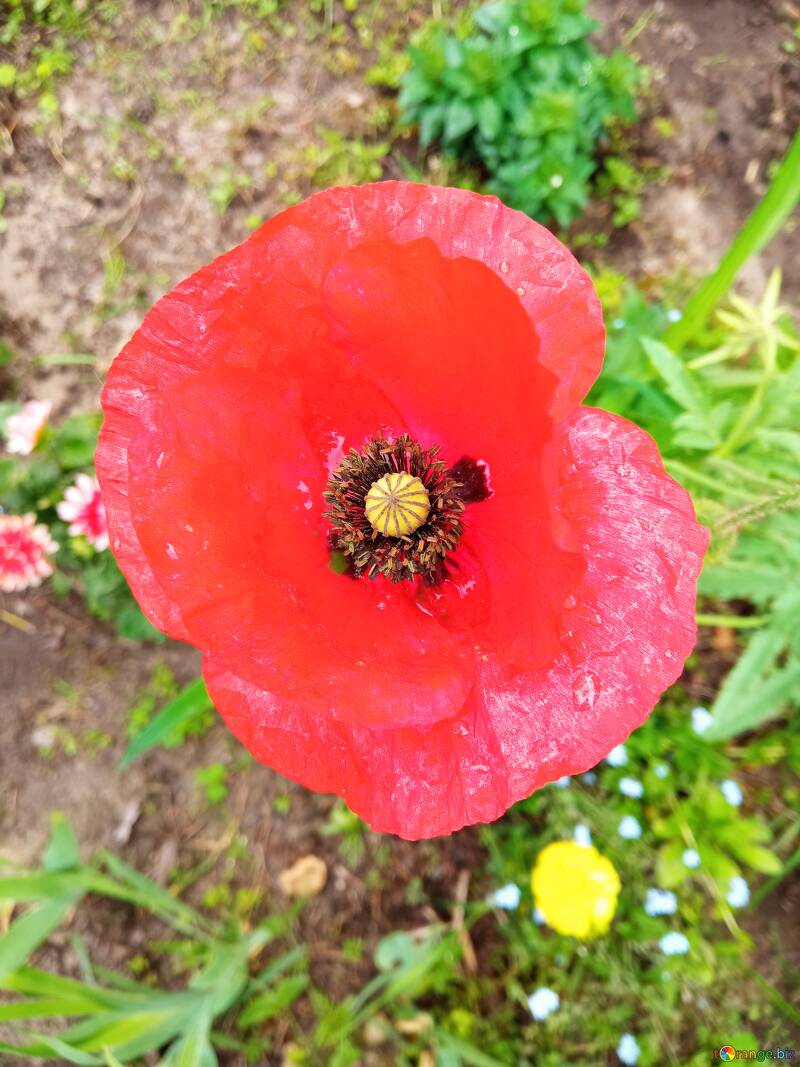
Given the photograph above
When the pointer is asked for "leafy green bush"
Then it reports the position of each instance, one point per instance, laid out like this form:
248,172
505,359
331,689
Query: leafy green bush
524,94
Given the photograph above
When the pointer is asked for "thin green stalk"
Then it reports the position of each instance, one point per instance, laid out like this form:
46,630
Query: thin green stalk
756,510
682,471
733,622
765,221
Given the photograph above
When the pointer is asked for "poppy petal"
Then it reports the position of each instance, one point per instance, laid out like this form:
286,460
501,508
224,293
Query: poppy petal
628,625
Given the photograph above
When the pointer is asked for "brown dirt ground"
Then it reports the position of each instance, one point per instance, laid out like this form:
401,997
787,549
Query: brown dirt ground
733,96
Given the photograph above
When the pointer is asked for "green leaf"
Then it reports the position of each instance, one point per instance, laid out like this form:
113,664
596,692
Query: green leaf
194,1049
25,935
133,1032
490,118
191,700
31,981
718,865
757,857
139,889
273,1002
133,625
670,868
224,977
297,955
42,1008
67,359
752,692
431,124
459,118
46,1043
465,1051
682,386
62,852
75,440
44,886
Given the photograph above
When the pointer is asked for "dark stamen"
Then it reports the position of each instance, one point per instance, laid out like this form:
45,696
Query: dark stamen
471,474
419,551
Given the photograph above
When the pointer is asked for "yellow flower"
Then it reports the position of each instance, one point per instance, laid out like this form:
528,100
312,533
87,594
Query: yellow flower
575,889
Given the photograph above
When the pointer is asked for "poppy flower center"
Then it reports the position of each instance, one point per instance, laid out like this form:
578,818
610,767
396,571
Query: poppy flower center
397,504
395,508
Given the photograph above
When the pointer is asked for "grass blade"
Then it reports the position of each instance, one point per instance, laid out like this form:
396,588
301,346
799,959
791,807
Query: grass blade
139,889
45,1046
29,931
44,885
191,700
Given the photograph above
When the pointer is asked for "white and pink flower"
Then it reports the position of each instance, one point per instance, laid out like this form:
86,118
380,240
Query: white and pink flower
82,507
24,551
24,430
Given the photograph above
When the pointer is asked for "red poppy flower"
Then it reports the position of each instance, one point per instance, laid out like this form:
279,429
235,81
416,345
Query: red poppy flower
519,588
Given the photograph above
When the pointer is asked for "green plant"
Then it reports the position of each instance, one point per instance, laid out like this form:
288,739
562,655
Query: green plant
523,93
213,780
39,35
112,1017
409,969
622,183
225,186
349,828
197,720
189,713
342,160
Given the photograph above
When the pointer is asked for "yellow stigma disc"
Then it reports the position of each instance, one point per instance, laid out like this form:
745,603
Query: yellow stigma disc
397,504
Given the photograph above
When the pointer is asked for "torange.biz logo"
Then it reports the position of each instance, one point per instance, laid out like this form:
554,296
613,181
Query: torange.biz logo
763,1055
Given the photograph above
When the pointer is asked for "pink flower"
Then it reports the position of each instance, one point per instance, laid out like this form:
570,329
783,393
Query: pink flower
24,430
83,509
24,548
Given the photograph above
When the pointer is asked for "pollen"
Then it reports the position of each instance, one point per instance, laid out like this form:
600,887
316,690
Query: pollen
397,504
